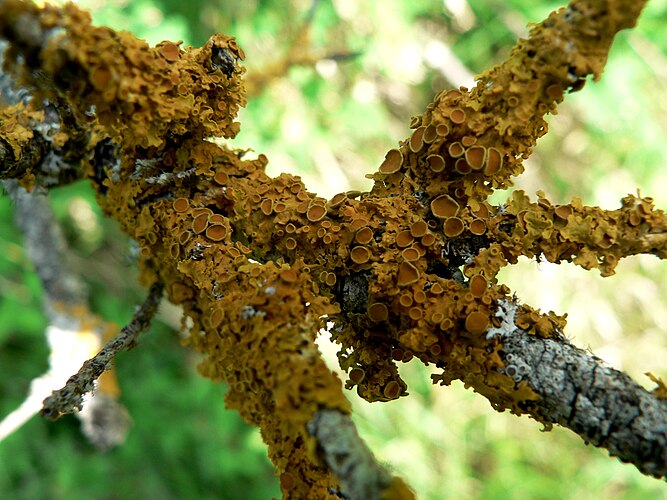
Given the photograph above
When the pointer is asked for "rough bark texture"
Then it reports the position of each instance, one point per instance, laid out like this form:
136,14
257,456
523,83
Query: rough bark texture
406,271
604,406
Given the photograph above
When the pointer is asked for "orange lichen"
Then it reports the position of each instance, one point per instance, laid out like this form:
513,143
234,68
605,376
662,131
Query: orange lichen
276,260
410,254
392,390
417,139
476,157
378,312
468,140
404,238
406,300
418,229
360,255
181,204
456,149
392,162
494,161
436,163
458,116
364,236
407,274
200,223
356,375
478,285
290,243
444,206
216,232
442,129
316,212
428,240
453,227
478,227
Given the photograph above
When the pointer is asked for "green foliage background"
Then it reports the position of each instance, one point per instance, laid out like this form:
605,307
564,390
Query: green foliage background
332,124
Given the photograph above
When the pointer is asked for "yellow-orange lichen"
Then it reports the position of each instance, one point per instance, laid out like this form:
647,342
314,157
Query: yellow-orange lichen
476,157
266,207
428,240
357,375
179,96
392,162
410,254
419,296
494,161
392,390
563,211
364,235
407,274
453,227
181,204
290,243
418,229
456,149
360,255
316,212
216,317
405,300
482,212
221,178
436,163
478,227
170,51
462,166
288,276
477,322
200,223
444,206
336,201
403,239
458,116
216,232
430,134
417,139
378,312
415,313
468,140
478,285
184,237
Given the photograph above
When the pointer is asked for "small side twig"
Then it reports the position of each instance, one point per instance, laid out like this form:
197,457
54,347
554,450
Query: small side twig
70,398
350,459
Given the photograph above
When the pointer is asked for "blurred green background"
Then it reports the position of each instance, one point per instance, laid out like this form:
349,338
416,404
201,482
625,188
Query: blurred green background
331,124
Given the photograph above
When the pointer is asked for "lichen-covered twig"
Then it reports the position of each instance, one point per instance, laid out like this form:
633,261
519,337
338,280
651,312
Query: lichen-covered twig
406,271
70,398
45,145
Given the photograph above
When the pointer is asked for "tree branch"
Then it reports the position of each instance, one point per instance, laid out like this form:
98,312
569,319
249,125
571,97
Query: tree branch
405,271
70,398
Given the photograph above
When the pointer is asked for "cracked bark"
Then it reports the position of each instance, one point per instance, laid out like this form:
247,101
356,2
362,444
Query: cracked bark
603,405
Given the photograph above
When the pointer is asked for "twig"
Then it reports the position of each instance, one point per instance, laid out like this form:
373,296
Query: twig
47,250
70,398
604,406
348,457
